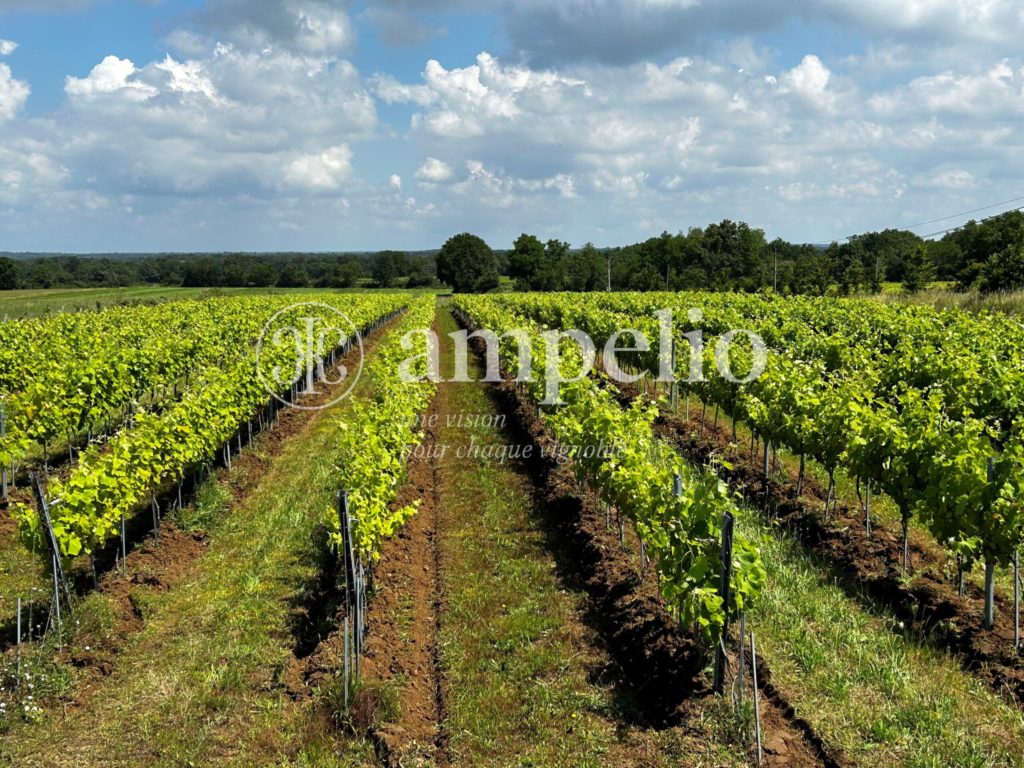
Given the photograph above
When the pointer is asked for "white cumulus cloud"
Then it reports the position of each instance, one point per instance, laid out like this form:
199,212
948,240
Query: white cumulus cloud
606,120
627,31
13,93
110,76
327,170
233,122
951,179
434,171
809,80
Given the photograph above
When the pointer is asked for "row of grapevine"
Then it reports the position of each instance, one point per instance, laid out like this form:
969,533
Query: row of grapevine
68,377
920,404
378,430
677,510
111,481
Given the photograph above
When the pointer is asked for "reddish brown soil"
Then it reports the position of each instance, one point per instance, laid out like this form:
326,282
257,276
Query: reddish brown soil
400,649
927,604
404,614
787,738
660,660
154,566
158,564
8,528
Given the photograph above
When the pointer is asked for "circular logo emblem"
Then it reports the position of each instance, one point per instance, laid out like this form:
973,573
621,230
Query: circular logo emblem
300,347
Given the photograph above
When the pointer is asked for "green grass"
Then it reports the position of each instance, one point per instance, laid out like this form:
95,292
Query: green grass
896,289
30,303
884,699
22,574
523,671
882,507
846,664
942,296
202,681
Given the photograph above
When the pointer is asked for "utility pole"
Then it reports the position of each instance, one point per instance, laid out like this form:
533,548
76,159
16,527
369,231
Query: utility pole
609,254
775,279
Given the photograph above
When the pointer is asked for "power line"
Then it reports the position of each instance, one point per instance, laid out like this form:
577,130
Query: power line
946,218
965,213
961,226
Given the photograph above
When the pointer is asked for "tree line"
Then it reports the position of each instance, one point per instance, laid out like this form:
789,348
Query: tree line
987,256
384,269
729,255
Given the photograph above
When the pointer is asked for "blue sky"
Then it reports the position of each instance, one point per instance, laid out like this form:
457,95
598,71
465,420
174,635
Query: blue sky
331,125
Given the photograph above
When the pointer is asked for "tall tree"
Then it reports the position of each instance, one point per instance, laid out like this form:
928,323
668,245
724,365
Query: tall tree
917,270
525,261
8,274
423,272
467,264
586,269
1004,271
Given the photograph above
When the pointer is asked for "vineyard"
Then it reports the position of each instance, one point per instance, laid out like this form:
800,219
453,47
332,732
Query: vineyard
774,531
920,405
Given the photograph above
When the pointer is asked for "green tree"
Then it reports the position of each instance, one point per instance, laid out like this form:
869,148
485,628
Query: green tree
263,274
917,269
293,275
947,258
202,273
890,252
976,242
526,261
423,272
1004,271
467,264
388,266
585,270
342,274
551,274
8,274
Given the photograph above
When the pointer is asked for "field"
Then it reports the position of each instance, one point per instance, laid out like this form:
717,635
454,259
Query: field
33,303
942,296
420,567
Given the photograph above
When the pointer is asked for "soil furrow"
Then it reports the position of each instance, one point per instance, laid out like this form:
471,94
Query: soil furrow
660,661
927,603
401,701
157,563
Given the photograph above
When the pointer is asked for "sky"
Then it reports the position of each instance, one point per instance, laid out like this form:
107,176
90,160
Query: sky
327,125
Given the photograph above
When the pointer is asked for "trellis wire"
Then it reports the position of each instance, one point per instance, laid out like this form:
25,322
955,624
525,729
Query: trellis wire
56,566
355,596
61,593
18,641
